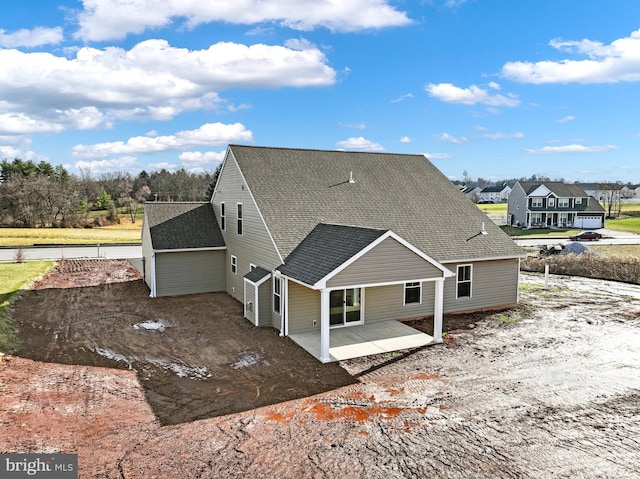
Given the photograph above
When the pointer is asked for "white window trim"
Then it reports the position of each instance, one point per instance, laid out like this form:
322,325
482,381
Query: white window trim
413,285
551,201
578,201
234,264
560,205
240,219
534,201
470,281
223,216
277,282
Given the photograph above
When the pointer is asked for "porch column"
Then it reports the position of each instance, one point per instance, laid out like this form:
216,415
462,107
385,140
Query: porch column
437,311
324,326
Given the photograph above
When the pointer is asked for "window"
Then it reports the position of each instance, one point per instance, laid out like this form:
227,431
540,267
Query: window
223,216
412,293
563,202
234,265
240,220
536,202
463,281
578,201
551,201
276,294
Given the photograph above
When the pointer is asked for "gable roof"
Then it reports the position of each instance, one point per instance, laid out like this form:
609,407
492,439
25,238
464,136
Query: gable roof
558,188
325,249
296,189
494,189
182,225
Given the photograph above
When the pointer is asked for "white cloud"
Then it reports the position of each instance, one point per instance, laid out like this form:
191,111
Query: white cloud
449,93
359,144
551,150
151,80
125,163
566,119
114,19
437,156
503,136
31,38
405,139
402,98
355,126
616,62
209,134
452,139
195,159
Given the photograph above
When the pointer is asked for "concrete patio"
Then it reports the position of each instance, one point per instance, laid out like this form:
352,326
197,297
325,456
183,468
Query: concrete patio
364,340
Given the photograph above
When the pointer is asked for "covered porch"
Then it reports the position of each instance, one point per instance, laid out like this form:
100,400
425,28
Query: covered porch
363,340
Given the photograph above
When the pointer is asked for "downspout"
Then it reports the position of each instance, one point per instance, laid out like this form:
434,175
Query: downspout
285,306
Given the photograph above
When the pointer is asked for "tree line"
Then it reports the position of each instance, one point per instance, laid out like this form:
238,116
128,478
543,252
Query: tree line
41,195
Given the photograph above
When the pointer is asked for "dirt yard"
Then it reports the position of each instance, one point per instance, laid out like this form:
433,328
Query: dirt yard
551,389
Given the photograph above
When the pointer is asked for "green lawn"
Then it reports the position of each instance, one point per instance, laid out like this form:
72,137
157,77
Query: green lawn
126,233
494,209
13,277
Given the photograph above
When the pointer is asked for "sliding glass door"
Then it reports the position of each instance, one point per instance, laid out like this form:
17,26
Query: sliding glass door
345,307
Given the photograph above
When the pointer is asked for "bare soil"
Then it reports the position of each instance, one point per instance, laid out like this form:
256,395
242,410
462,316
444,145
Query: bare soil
551,389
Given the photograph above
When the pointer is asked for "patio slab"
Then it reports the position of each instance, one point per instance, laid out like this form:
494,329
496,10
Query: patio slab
364,340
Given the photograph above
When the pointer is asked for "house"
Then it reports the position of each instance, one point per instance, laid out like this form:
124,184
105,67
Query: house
553,204
471,192
495,194
321,243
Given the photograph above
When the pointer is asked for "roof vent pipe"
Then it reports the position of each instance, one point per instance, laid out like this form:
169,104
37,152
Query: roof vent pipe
483,231
351,180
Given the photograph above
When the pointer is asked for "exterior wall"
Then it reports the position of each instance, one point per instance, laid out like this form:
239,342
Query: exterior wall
386,262
255,245
517,205
189,272
147,253
304,308
387,302
494,284
250,301
264,305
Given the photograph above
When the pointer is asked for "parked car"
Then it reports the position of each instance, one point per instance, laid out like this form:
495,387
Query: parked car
586,236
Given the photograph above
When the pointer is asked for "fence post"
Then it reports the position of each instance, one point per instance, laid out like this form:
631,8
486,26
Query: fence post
546,275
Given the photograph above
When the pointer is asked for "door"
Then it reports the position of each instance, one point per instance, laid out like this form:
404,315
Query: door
345,307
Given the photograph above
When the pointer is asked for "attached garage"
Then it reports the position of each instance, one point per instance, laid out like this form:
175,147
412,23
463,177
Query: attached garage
183,249
588,221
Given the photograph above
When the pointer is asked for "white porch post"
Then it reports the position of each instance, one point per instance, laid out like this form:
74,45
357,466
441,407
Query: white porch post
324,326
437,311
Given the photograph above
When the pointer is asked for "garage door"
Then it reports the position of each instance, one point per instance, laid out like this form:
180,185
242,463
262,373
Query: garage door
189,272
588,222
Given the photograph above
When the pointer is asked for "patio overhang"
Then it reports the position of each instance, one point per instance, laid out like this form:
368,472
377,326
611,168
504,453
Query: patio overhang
364,340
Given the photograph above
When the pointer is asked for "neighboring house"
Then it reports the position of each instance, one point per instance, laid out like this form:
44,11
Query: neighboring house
553,204
471,192
631,191
495,194
315,240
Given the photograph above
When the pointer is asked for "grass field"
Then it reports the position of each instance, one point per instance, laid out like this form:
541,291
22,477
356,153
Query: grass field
14,276
125,233
622,251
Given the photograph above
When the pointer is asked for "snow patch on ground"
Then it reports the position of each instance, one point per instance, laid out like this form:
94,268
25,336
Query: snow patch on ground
180,369
108,353
249,358
155,325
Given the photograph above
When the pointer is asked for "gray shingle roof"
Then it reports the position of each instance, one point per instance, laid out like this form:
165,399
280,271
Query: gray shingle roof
560,189
256,274
297,189
178,225
326,248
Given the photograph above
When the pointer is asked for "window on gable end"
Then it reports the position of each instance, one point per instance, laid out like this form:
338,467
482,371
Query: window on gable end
240,219
223,216
234,264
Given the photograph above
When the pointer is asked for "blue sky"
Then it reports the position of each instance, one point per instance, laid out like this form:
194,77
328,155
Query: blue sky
496,88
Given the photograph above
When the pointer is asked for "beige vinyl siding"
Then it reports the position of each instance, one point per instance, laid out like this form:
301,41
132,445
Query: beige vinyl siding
147,253
494,284
264,304
254,245
189,272
386,262
250,301
382,303
304,308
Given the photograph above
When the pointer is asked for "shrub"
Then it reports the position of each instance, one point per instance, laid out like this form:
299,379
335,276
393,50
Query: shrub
588,266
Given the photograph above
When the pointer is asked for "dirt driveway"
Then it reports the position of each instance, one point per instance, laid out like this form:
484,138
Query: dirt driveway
549,390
